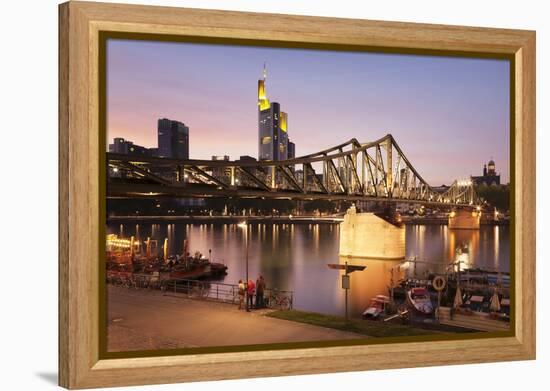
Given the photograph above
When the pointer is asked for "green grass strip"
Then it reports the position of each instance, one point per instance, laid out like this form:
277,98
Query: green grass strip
365,327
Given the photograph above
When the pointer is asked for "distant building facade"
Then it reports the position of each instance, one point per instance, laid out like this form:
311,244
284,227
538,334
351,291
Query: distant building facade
224,158
222,174
273,142
246,158
127,147
245,180
173,139
291,150
299,174
173,142
489,177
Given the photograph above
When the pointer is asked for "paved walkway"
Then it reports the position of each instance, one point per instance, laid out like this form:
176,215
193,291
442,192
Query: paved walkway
148,320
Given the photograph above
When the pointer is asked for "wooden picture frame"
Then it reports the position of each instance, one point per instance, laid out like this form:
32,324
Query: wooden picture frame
80,163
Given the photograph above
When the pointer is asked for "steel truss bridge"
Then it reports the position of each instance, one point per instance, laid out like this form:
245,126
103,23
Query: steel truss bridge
376,171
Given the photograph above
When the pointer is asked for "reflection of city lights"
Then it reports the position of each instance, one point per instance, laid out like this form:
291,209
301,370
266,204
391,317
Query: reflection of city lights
463,260
242,224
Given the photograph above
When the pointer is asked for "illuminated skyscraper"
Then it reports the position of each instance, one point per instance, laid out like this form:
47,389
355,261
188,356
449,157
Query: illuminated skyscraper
272,126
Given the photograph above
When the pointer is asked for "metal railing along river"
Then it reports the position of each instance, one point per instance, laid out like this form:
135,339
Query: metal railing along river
205,290
227,293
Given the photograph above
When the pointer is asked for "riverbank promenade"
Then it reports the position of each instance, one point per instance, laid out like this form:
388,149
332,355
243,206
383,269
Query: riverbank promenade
148,320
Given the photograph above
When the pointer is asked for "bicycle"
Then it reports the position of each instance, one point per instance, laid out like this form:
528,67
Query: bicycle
278,300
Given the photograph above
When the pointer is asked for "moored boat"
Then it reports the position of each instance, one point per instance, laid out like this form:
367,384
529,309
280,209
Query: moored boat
190,272
376,308
419,300
218,269
126,258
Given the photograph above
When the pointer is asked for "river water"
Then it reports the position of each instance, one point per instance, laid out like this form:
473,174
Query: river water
295,256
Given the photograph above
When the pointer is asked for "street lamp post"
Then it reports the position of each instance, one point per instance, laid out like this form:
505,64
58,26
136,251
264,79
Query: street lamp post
348,269
245,226
346,286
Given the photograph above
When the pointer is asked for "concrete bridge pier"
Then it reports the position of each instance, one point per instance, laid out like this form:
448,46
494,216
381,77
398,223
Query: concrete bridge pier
365,235
464,219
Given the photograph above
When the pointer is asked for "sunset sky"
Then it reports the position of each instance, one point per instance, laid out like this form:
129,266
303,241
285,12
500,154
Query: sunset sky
449,115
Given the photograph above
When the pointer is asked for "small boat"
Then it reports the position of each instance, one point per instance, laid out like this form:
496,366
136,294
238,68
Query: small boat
419,300
376,308
218,269
190,272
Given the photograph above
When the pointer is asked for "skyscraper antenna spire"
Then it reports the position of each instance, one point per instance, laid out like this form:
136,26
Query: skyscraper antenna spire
265,72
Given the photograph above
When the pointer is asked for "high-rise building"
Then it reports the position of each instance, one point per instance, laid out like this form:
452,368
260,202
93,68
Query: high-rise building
291,153
272,126
173,139
291,150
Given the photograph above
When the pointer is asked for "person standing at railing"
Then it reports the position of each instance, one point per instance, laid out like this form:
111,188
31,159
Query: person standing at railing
250,287
241,293
260,288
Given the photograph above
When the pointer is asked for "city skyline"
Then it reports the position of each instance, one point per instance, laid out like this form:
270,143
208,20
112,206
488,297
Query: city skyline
450,111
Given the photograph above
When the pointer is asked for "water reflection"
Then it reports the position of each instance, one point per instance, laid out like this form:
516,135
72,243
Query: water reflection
376,279
487,247
295,256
